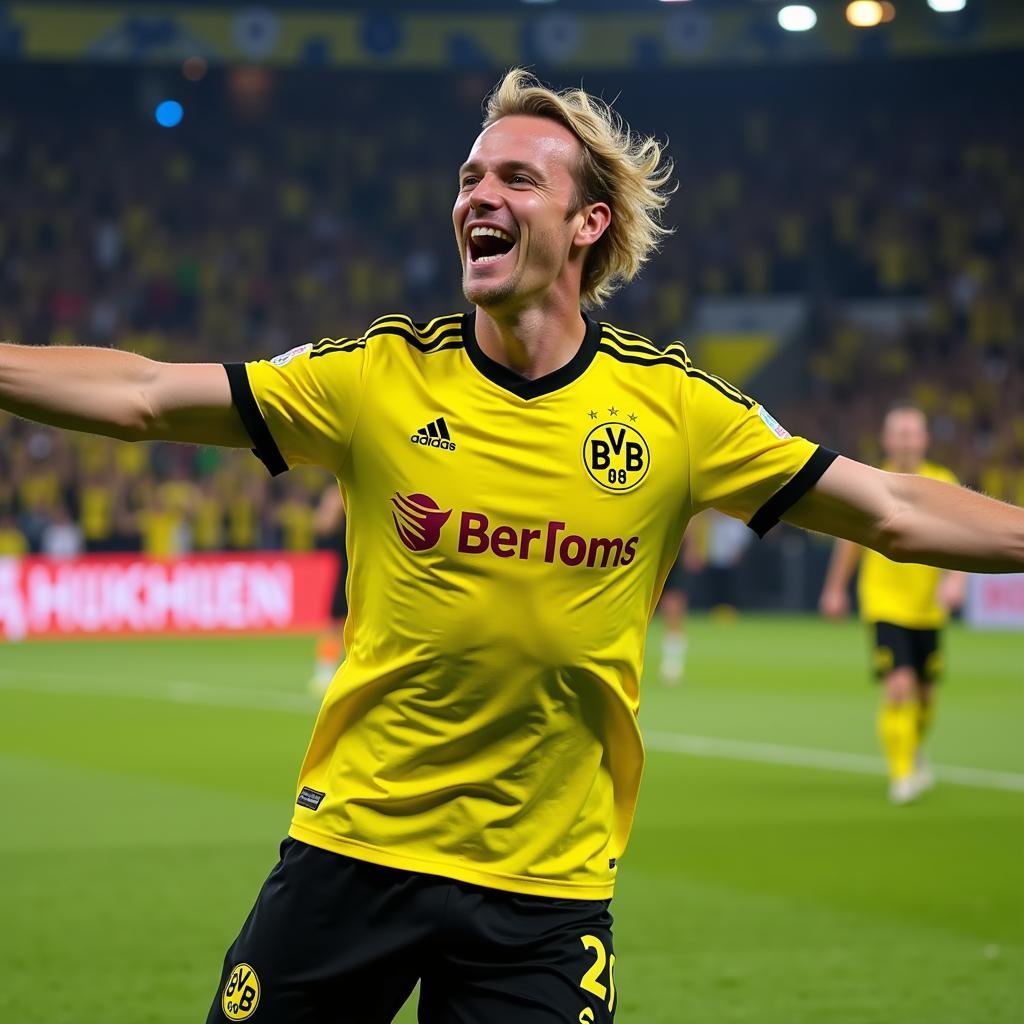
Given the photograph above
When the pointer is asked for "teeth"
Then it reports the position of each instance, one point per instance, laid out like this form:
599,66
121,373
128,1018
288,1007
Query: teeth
496,232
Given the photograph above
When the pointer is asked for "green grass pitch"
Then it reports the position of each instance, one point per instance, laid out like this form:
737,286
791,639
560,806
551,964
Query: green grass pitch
145,785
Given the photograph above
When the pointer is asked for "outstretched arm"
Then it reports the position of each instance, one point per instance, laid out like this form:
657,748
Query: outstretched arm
120,394
913,519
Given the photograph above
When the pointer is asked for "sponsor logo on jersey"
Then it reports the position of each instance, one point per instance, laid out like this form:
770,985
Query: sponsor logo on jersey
772,423
419,519
293,353
311,798
616,456
434,435
241,993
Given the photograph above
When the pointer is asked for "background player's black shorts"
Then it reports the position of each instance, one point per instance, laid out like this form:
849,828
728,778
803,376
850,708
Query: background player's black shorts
339,603
333,939
680,579
900,647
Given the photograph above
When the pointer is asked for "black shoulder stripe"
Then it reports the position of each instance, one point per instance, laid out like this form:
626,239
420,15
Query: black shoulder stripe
413,339
428,332
674,348
446,334
447,345
619,333
690,371
438,343
722,385
264,446
641,360
426,327
378,331
398,318
347,346
338,343
787,496
652,352
427,336
719,385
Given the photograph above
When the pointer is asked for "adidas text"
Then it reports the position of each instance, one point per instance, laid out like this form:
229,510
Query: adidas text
432,442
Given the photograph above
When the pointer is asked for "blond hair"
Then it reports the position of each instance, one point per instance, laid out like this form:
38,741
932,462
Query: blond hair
617,167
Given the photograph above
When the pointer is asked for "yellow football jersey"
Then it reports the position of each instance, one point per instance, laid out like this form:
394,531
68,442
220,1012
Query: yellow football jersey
898,592
507,543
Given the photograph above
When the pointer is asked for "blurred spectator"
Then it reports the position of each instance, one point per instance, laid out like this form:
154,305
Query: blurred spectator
241,234
62,536
12,540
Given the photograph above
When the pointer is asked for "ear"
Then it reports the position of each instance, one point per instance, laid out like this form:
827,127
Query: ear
593,223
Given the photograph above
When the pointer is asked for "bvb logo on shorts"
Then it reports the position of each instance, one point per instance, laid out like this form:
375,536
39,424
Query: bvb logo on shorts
616,456
241,993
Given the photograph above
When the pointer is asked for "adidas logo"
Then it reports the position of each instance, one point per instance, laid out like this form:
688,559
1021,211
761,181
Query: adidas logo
434,435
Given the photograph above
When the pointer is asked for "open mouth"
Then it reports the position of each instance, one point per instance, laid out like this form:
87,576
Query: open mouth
488,245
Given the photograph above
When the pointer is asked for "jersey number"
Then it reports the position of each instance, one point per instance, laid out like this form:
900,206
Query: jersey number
590,982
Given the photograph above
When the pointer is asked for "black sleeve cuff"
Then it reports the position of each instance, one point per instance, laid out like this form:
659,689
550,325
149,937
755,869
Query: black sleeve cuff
264,446
786,497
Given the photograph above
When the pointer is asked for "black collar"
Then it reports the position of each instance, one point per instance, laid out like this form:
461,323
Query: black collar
522,386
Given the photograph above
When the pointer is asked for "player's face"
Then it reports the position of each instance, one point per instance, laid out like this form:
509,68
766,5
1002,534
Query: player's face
512,214
905,438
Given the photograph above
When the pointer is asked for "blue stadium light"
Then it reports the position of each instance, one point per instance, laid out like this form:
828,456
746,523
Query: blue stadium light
169,113
947,6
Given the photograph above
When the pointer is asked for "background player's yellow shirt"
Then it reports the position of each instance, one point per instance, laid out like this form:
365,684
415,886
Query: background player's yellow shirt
507,543
901,593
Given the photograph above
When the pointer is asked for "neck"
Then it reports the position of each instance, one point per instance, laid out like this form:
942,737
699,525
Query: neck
533,341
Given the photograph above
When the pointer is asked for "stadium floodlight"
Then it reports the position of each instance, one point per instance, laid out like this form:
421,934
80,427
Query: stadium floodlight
947,6
797,18
864,13
169,113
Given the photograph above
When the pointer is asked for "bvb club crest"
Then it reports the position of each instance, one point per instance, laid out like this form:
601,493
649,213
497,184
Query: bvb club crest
616,456
241,993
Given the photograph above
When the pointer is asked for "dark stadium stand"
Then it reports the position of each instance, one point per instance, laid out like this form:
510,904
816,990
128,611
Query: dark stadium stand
240,234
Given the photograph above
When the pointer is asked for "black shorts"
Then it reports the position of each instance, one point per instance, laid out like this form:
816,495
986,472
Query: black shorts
900,647
339,602
680,579
334,939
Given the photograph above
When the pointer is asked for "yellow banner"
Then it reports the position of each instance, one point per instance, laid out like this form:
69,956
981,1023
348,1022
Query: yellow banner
574,41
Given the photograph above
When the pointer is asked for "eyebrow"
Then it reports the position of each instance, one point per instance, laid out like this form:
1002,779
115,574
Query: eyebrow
506,165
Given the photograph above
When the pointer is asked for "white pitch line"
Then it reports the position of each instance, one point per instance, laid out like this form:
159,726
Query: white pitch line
187,692
829,760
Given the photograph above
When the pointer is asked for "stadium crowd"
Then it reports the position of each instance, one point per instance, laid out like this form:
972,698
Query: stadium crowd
245,232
